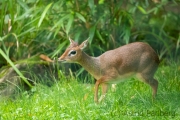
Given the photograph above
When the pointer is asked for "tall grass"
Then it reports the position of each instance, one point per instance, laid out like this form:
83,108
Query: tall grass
32,27
69,99
43,26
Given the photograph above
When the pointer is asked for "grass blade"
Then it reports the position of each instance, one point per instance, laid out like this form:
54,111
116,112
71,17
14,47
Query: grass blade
14,67
23,5
43,14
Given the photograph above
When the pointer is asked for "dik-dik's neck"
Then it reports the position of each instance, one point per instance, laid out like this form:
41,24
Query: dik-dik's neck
91,64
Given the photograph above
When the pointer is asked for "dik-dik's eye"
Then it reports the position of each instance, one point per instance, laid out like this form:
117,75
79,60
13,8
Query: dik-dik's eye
72,53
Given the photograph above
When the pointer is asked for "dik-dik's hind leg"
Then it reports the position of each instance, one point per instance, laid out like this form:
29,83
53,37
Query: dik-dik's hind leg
154,85
152,82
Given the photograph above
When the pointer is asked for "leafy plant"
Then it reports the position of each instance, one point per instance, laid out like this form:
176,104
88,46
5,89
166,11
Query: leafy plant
30,27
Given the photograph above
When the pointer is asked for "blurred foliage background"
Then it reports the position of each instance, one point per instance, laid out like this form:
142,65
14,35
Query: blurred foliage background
30,27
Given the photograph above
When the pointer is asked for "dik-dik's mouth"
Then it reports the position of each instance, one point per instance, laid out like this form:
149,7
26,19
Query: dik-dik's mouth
62,61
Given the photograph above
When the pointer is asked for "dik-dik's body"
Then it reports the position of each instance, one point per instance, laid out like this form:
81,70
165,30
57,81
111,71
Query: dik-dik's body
115,65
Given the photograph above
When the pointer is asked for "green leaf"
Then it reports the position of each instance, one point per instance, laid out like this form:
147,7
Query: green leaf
60,22
43,14
101,2
69,24
27,31
91,33
59,48
99,36
142,10
80,17
14,67
23,5
91,4
26,14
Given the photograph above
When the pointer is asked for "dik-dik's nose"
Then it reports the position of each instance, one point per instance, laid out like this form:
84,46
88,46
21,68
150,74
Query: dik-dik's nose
61,59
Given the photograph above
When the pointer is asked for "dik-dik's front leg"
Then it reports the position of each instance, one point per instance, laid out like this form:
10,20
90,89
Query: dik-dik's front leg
102,81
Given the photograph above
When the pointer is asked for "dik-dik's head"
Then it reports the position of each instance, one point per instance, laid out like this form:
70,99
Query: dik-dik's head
73,52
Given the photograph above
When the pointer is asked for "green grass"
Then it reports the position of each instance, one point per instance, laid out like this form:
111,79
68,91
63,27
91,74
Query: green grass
73,101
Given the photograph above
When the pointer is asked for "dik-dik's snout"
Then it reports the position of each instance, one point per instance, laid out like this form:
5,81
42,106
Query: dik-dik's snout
61,59
64,59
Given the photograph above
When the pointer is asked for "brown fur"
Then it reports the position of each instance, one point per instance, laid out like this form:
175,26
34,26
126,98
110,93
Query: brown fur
118,64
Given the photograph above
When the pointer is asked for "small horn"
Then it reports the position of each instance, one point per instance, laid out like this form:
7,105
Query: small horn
87,38
71,41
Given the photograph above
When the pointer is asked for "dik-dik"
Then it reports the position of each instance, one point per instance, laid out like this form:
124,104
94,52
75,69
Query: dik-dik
113,66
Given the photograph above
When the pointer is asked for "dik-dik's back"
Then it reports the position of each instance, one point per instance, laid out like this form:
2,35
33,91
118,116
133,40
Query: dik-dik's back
116,65
132,58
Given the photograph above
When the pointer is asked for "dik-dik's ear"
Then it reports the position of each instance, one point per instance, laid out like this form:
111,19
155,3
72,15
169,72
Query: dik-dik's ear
84,44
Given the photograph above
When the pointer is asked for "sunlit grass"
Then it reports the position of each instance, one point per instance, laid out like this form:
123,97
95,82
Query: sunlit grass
74,100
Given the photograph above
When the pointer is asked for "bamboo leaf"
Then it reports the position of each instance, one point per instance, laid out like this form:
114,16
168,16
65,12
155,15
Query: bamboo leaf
24,15
142,10
91,33
80,17
27,31
43,14
14,67
60,47
99,36
60,22
69,24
